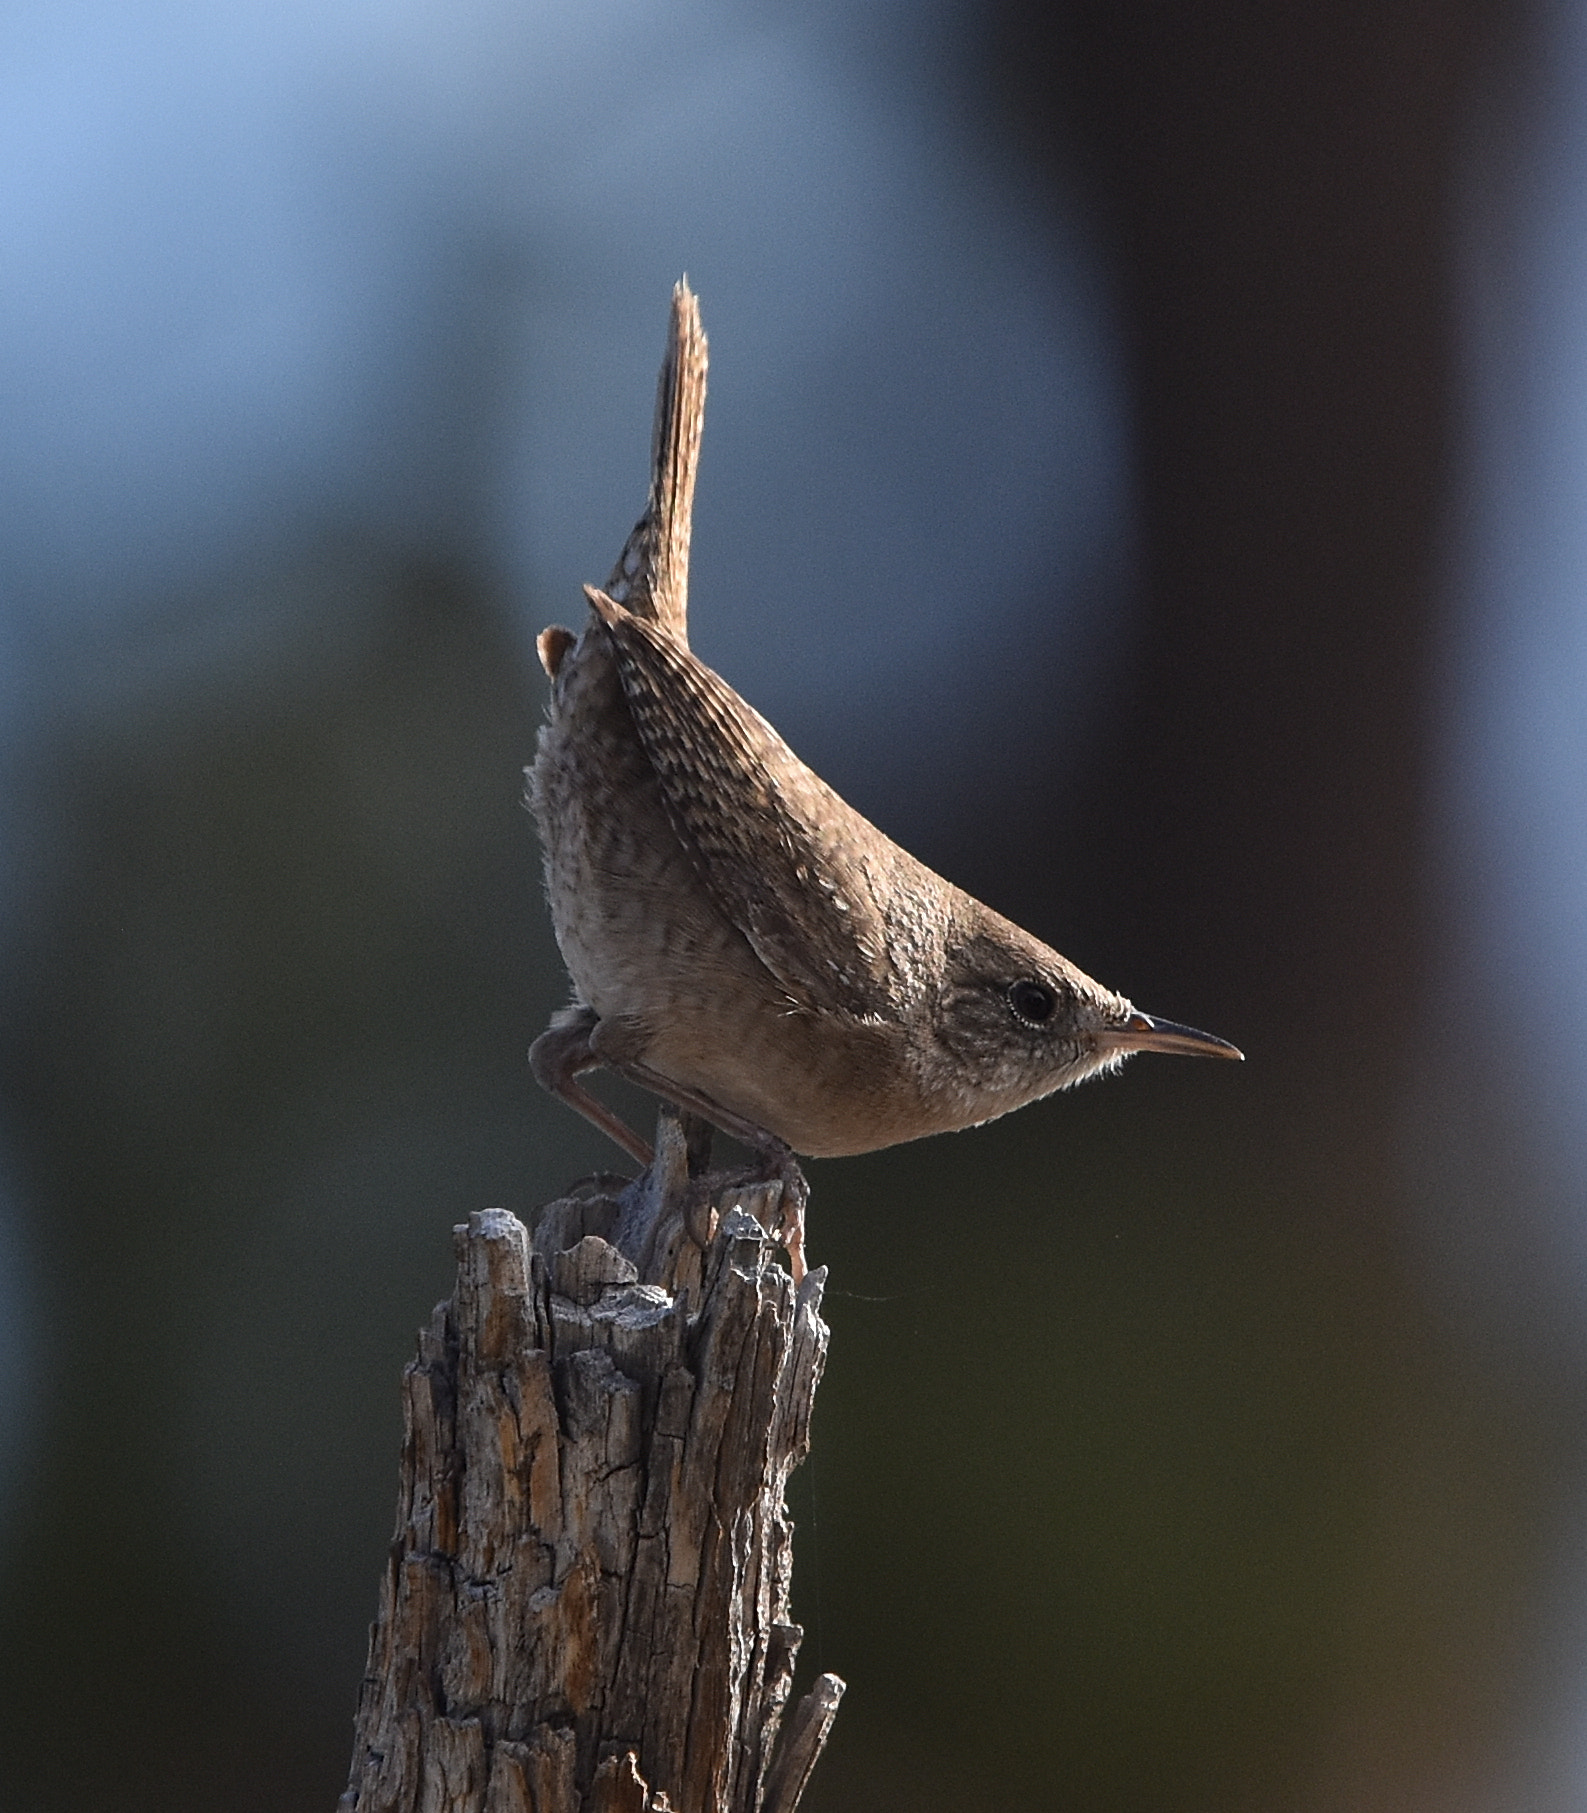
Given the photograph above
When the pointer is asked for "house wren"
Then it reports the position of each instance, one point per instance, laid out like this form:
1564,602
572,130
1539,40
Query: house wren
741,941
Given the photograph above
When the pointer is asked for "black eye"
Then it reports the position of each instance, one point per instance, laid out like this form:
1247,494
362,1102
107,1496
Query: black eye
1033,1001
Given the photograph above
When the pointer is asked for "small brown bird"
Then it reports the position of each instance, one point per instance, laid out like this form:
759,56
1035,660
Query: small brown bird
741,941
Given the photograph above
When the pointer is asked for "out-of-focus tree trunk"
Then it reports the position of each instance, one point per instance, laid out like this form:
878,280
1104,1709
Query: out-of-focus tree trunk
1277,198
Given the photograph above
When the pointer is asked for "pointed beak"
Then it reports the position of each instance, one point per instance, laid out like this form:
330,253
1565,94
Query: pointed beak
1141,1032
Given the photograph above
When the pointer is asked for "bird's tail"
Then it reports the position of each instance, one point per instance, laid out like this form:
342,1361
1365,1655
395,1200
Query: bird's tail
652,575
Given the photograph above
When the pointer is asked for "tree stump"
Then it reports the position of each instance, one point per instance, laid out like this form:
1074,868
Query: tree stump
585,1608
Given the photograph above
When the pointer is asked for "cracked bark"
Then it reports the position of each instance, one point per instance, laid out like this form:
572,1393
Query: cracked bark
585,1606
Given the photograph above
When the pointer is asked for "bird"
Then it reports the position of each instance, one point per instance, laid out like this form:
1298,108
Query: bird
742,942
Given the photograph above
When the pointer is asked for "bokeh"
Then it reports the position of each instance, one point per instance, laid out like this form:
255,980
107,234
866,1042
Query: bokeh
1144,471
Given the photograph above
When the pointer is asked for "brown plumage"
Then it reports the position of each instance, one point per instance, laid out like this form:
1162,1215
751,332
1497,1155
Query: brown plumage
742,941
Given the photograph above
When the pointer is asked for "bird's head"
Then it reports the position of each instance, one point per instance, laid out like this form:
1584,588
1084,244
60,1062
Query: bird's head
1014,1020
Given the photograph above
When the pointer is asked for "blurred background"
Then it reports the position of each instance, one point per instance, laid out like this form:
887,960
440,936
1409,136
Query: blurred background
1146,471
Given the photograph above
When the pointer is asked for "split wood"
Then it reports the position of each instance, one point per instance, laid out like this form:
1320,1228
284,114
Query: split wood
585,1608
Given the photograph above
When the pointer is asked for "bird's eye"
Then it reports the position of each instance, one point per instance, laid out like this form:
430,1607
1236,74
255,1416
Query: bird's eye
1033,1001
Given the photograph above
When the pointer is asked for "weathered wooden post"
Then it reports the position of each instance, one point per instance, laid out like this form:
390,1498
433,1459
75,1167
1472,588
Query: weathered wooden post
586,1603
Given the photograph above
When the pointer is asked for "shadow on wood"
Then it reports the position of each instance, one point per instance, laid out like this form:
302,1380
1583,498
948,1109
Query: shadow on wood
585,1608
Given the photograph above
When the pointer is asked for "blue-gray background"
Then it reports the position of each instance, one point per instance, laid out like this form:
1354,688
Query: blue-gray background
1145,470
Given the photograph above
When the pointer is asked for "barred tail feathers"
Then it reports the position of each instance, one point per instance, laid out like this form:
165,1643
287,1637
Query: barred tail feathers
651,577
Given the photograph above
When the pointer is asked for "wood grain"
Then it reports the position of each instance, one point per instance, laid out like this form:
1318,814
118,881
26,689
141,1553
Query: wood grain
586,1603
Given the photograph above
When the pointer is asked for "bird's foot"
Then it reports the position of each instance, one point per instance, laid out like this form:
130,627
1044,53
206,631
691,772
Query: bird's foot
675,1184
780,1165
775,1192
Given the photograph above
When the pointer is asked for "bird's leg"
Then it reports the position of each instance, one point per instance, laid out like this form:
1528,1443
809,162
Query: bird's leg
570,1047
777,1160
795,1195
560,1054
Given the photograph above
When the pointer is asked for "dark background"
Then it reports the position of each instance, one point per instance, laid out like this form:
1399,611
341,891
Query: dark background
1165,1459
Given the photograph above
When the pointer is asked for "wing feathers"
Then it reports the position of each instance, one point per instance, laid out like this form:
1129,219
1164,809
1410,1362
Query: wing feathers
779,852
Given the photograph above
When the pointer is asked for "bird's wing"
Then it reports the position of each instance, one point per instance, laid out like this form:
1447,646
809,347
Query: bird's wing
791,864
